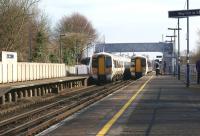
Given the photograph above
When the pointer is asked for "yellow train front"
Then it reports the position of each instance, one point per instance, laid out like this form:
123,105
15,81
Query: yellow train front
140,66
105,67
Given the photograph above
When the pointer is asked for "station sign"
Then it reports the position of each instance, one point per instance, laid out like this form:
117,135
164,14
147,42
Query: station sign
183,13
8,57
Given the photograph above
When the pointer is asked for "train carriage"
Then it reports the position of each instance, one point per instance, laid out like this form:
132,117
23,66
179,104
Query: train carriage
140,66
106,67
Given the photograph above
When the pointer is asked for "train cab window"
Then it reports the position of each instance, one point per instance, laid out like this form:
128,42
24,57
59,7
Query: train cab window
108,62
94,62
143,62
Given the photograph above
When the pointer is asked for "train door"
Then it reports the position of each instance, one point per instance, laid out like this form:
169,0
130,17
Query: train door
101,69
138,68
144,66
101,66
138,65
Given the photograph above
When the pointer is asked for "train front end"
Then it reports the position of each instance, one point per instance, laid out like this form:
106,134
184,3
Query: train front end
101,68
138,67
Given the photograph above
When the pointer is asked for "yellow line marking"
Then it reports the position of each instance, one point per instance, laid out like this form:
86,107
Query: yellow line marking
109,124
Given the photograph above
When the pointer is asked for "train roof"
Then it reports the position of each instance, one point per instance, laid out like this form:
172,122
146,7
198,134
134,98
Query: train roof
109,54
138,56
102,53
112,55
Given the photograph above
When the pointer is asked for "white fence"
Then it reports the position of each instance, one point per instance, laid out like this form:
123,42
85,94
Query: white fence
77,70
15,72
70,70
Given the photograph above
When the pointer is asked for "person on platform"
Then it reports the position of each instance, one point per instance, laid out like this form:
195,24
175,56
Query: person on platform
157,68
198,71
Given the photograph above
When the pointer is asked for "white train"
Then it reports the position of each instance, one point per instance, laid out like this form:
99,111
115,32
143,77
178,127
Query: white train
140,66
106,67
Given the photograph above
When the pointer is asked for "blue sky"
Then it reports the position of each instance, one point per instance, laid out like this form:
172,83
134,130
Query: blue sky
128,20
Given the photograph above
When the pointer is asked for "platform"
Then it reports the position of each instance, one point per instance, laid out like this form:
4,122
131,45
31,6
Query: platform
163,107
11,92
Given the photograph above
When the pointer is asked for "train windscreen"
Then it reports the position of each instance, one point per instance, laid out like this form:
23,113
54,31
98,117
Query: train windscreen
94,62
143,62
108,62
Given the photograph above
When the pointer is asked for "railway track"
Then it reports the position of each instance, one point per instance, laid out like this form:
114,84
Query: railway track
38,119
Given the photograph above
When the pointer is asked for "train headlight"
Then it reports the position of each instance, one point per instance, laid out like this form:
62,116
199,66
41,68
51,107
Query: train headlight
109,71
94,71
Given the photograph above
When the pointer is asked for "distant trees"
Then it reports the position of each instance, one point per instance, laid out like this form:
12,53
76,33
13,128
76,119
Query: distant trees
42,40
20,23
78,32
25,29
194,55
197,51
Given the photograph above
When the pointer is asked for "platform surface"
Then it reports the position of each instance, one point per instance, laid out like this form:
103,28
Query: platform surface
164,107
4,88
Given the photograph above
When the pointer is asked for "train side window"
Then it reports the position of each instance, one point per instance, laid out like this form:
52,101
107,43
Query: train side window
108,62
118,64
94,62
132,62
126,64
149,64
115,63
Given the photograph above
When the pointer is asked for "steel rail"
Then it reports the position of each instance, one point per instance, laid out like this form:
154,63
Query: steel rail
53,117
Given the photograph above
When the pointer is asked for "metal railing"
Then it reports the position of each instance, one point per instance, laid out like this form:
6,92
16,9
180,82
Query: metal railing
192,76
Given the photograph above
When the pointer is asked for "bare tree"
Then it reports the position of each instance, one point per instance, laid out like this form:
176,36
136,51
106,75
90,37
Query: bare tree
77,23
14,16
196,54
20,24
78,33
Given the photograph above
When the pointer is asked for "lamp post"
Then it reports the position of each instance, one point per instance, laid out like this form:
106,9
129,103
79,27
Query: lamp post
30,44
177,29
179,58
77,52
173,56
188,49
61,47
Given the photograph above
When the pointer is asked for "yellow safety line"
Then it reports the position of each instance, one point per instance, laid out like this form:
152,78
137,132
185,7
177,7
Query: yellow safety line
109,124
